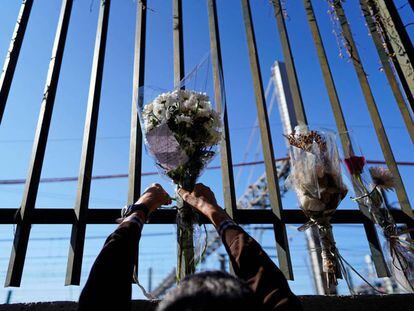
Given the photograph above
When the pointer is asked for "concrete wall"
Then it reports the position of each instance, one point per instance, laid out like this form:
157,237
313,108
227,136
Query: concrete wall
310,303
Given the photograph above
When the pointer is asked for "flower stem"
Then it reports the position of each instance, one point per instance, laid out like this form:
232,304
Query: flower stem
185,217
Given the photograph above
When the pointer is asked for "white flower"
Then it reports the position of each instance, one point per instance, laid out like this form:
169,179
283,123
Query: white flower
148,108
180,95
183,118
187,105
204,104
149,124
215,137
148,127
216,119
159,111
168,114
203,113
184,106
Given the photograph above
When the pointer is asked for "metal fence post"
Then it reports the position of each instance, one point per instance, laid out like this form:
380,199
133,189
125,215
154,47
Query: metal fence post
290,64
399,40
135,146
77,240
10,63
184,240
267,145
21,238
220,99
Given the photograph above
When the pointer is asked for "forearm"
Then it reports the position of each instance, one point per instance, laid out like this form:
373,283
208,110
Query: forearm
251,264
109,282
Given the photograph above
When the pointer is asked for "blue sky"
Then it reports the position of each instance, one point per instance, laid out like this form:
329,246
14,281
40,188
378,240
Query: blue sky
44,272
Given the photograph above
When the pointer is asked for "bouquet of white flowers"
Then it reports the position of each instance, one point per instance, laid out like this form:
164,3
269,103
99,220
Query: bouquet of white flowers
181,131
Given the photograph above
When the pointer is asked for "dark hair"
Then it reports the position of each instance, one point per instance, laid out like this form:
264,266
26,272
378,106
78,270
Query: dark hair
214,290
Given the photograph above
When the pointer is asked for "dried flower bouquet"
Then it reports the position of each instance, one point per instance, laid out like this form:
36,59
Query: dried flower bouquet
317,181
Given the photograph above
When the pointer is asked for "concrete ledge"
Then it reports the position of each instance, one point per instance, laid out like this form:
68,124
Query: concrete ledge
310,303
403,302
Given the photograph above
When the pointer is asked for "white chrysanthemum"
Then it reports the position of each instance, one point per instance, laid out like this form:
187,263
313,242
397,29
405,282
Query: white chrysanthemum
159,111
149,124
185,106
189,104
181,95
204,104
216,120
203,113
203,97
168,114
163,101
183,118
148,108
215,137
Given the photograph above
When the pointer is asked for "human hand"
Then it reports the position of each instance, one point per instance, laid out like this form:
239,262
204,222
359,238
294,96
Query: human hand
201,198
154,196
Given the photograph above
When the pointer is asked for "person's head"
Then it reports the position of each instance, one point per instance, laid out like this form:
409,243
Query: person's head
213,290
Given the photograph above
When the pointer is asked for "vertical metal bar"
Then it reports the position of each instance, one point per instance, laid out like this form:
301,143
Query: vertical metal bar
327,75
290,64
398,39
409,96
220,99
77,240
135,145
297,101
21,238
178,42
370,12
374,243
10,63
397,66
282,245
182,237
373,109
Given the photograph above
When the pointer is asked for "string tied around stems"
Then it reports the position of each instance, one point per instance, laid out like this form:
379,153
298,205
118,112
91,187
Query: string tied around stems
334,263
401,248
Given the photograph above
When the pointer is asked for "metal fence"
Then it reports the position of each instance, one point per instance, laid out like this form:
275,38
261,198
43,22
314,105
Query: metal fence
397,60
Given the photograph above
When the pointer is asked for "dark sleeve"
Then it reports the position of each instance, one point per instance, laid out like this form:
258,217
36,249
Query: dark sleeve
109,283
253,265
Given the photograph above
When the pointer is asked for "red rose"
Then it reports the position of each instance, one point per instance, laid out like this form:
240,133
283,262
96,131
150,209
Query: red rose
355,165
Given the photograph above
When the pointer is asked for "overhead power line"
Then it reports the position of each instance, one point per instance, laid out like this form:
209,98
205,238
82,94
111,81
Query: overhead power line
239,128
95,237
118,176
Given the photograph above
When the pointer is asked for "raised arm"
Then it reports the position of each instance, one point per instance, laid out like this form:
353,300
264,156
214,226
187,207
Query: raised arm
109,283
249,261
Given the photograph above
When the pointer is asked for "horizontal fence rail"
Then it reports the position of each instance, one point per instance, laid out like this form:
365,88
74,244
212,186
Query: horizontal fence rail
168,216
398,69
